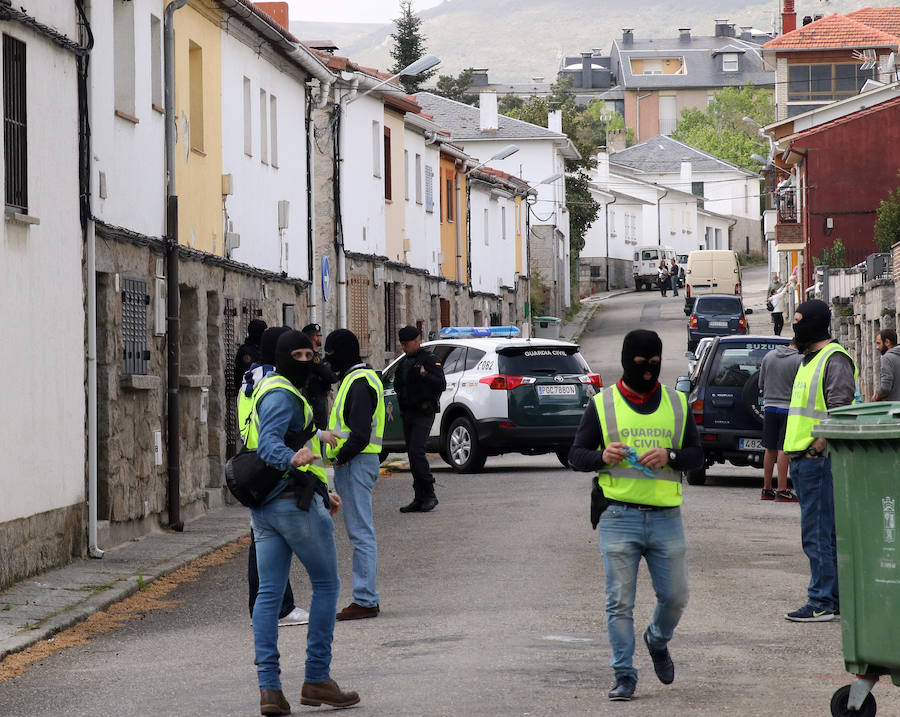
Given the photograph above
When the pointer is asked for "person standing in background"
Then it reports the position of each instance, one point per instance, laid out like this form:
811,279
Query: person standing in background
886,343
248,353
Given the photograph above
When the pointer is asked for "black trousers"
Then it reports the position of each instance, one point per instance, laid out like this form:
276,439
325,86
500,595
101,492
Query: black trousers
287,602
778,320
416,427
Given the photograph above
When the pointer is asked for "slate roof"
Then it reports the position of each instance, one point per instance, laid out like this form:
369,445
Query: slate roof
701,59
844,31
464,121
663,155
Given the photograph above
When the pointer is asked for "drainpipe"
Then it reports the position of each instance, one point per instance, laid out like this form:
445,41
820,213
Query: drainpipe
310,218
659,217
457,198
172,304
85,91
606,215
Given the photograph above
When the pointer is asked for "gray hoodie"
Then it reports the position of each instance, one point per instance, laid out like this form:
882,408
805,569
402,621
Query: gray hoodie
890,373
776,376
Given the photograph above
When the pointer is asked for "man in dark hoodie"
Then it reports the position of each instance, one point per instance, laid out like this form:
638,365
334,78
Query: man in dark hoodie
321,378
289,614
776,380
825,379
357,418
248,353
639,436
886,343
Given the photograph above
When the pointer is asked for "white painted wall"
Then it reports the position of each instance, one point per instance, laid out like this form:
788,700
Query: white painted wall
710,239
259,185
41,290
131,156
626,228
423,229
493,251
362,192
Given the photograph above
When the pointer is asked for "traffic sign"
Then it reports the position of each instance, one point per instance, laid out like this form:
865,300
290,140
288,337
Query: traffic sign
326,279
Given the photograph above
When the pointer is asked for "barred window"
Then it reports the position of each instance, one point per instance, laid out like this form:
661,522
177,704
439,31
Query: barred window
135,354
15,128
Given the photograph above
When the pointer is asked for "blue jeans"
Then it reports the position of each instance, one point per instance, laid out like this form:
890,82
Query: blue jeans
281,528
626,534
815,492
674,281
354,482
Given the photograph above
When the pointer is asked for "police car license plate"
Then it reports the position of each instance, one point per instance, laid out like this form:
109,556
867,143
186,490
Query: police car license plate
719,324
750,444
556,390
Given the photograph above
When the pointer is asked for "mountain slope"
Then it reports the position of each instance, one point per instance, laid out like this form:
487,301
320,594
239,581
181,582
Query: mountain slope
520,39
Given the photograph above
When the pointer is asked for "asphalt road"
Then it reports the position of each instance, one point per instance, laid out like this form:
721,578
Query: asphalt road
493,605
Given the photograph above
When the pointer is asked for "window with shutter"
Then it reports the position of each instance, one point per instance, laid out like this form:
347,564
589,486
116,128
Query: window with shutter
429,188
135,300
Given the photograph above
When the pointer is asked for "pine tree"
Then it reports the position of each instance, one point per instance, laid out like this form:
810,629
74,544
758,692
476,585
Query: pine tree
409,46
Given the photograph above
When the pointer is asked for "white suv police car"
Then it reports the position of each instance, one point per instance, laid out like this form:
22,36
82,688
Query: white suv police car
503,395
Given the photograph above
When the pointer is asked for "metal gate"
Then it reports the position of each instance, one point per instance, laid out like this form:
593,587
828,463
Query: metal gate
229,350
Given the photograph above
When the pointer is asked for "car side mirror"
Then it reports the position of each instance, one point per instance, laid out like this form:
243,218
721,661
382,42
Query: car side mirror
748,311
683,384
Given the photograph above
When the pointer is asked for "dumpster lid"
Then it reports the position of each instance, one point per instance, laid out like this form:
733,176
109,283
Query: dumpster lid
547,319
861,421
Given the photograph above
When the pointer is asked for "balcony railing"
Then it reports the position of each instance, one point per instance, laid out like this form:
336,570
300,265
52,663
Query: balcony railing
787,206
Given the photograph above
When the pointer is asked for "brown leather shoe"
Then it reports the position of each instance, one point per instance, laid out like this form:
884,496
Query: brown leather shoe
317,693
272,702
355,611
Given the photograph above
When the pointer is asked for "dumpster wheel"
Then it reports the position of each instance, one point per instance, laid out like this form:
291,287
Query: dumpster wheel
840,708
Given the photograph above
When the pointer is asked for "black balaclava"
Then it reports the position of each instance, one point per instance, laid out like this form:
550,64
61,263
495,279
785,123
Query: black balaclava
815,325
641,342
269,341
342,350
255,331
294,371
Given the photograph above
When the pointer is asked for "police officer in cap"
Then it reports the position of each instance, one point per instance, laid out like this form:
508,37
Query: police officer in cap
419,383
638,435
321,378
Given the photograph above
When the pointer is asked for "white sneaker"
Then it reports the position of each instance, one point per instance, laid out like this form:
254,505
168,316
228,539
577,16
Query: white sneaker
297,616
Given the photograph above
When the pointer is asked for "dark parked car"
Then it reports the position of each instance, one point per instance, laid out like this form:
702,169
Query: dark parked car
716,315
724,397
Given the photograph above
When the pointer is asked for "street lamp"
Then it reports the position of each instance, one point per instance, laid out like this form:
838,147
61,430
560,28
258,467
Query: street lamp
416,68
507,151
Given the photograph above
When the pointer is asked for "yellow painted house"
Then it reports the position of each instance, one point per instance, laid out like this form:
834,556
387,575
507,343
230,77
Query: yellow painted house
198,120
454,247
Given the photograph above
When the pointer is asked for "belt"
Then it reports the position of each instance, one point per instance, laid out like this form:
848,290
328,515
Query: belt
288,494
640,506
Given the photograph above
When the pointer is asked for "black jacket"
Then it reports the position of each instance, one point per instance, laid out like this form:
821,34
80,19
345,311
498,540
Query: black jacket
419,392
318,385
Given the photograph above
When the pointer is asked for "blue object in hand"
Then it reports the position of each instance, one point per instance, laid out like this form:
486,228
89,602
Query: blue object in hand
632,457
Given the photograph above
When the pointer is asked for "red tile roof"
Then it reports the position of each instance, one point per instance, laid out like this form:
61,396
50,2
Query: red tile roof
835,31
886,19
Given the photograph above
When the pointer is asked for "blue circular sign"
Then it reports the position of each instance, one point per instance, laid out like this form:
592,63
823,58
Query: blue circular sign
326,279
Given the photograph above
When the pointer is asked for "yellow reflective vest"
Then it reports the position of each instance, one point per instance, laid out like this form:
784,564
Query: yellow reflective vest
808,399
251,441
338,425
664,428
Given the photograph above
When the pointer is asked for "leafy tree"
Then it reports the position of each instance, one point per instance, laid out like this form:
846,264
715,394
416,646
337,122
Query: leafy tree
887,222
409,46
836,256
509,103
721,130
456,88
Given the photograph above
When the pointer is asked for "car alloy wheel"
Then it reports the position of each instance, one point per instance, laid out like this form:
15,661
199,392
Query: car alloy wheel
461,447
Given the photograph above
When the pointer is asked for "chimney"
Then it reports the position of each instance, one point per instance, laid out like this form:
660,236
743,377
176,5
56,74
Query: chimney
723,29
788,18
278,11
488,104
684,34
627,36
554,121
615,140
602,168
587,68
746,33
686,174
479,77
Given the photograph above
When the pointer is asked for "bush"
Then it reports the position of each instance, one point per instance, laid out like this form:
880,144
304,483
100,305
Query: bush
887,223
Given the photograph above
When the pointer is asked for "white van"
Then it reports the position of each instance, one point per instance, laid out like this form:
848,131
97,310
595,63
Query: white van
646,264
711,271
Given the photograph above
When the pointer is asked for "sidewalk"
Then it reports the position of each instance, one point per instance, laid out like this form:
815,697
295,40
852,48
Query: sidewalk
572,330
35,609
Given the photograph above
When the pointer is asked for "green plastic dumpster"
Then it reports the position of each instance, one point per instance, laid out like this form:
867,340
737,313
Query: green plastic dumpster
546,327
864,445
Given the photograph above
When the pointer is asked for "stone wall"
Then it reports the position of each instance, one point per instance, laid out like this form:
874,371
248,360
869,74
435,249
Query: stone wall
746,237
39,542
857,319
592,275
218,299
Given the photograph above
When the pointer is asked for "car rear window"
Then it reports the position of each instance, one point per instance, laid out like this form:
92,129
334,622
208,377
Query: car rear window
735,364
541,361
649,255
717,305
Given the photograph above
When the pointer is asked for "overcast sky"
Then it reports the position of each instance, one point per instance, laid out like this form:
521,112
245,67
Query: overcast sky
352,10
